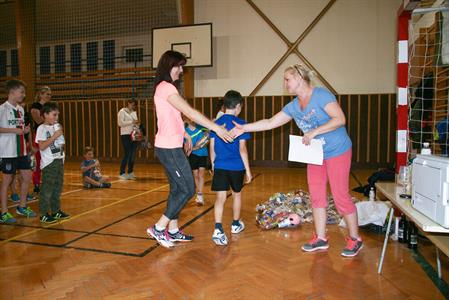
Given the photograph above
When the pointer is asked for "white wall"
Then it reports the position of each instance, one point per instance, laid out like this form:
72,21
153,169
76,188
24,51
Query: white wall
353,46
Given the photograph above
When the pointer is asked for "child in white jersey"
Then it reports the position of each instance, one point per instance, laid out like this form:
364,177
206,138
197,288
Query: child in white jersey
49,137
13,152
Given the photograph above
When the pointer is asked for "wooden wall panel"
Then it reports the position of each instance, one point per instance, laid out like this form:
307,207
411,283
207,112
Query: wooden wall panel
363,126
277,133
258,136
370,121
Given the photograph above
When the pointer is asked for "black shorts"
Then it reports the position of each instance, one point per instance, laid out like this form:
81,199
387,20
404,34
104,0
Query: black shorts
224,178
197,162
10,165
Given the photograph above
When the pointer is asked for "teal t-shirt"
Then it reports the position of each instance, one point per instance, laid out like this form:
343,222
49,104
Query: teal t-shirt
196,135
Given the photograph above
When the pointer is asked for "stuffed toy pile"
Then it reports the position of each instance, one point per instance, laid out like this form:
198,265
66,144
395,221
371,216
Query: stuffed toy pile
290,210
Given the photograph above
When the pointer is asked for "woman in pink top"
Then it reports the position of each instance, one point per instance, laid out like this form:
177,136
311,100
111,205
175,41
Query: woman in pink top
169,145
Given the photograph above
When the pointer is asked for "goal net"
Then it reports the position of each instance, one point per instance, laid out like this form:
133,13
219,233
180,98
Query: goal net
429,79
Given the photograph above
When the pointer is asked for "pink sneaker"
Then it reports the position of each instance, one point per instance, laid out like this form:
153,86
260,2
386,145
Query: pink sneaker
353,247
315,244
160,236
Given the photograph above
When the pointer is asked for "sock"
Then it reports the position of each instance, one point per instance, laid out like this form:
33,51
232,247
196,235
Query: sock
173,231
158,228
236,223
219,226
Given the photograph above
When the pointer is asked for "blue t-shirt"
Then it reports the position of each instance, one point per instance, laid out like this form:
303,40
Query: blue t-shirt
227,155
336,141
442,128
196,135
93,173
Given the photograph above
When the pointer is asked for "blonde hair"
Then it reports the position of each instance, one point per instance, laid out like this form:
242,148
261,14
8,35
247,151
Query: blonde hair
301,71
40,91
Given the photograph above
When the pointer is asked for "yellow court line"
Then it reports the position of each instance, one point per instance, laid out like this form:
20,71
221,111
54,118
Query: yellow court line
62,194
80,215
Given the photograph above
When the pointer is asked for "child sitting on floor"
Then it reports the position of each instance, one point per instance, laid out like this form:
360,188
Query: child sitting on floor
90,168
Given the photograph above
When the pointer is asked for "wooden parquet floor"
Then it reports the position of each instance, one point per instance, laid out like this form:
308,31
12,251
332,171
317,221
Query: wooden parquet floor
103,252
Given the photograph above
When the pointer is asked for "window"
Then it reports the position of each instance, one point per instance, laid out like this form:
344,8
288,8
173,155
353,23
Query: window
92,56
75,58
14,63
44,60
2,63
108,55
60,59
134,55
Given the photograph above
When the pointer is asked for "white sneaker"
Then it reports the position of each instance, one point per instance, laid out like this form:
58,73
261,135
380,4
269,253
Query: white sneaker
123,177
199,200
238,228
160,236
131,176
219,238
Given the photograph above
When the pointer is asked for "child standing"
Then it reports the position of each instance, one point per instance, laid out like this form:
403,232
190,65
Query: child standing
230,164
197,158
90,168
13,152
49,137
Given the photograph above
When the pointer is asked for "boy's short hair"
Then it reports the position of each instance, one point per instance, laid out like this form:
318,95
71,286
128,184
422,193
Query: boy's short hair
88,149
49,107
134,101
232,98
14,84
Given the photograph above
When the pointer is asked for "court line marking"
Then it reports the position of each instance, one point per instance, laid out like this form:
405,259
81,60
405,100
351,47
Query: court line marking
62,194
142,254
80,215
156,246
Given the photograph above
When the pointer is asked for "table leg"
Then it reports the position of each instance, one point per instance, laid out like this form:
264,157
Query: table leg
438,263
387,234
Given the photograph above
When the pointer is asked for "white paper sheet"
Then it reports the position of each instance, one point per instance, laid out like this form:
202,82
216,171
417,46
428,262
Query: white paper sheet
309,154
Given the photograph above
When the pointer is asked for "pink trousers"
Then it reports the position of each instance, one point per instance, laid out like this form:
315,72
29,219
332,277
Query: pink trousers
337,170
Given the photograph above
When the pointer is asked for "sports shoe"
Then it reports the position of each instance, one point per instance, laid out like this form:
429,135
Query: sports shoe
15,197
60,215
105,185
7,218
160,236
179,237
199,199
36,189
353,247
25,211
219,238
237,228
315,244
123,176
131,176
47,219
30,197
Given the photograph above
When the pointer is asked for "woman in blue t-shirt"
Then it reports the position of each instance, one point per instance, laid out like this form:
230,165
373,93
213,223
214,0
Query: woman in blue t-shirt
318,115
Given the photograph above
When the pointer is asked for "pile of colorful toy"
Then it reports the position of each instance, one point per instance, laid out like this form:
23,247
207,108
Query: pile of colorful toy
291,209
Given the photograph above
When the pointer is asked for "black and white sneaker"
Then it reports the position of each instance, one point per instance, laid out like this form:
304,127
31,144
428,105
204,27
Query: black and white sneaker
179,237
160,236
60,215
238,228
219,238
47,219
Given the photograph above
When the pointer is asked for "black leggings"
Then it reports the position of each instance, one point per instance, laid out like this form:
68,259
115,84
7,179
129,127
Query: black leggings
130,153
182,184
